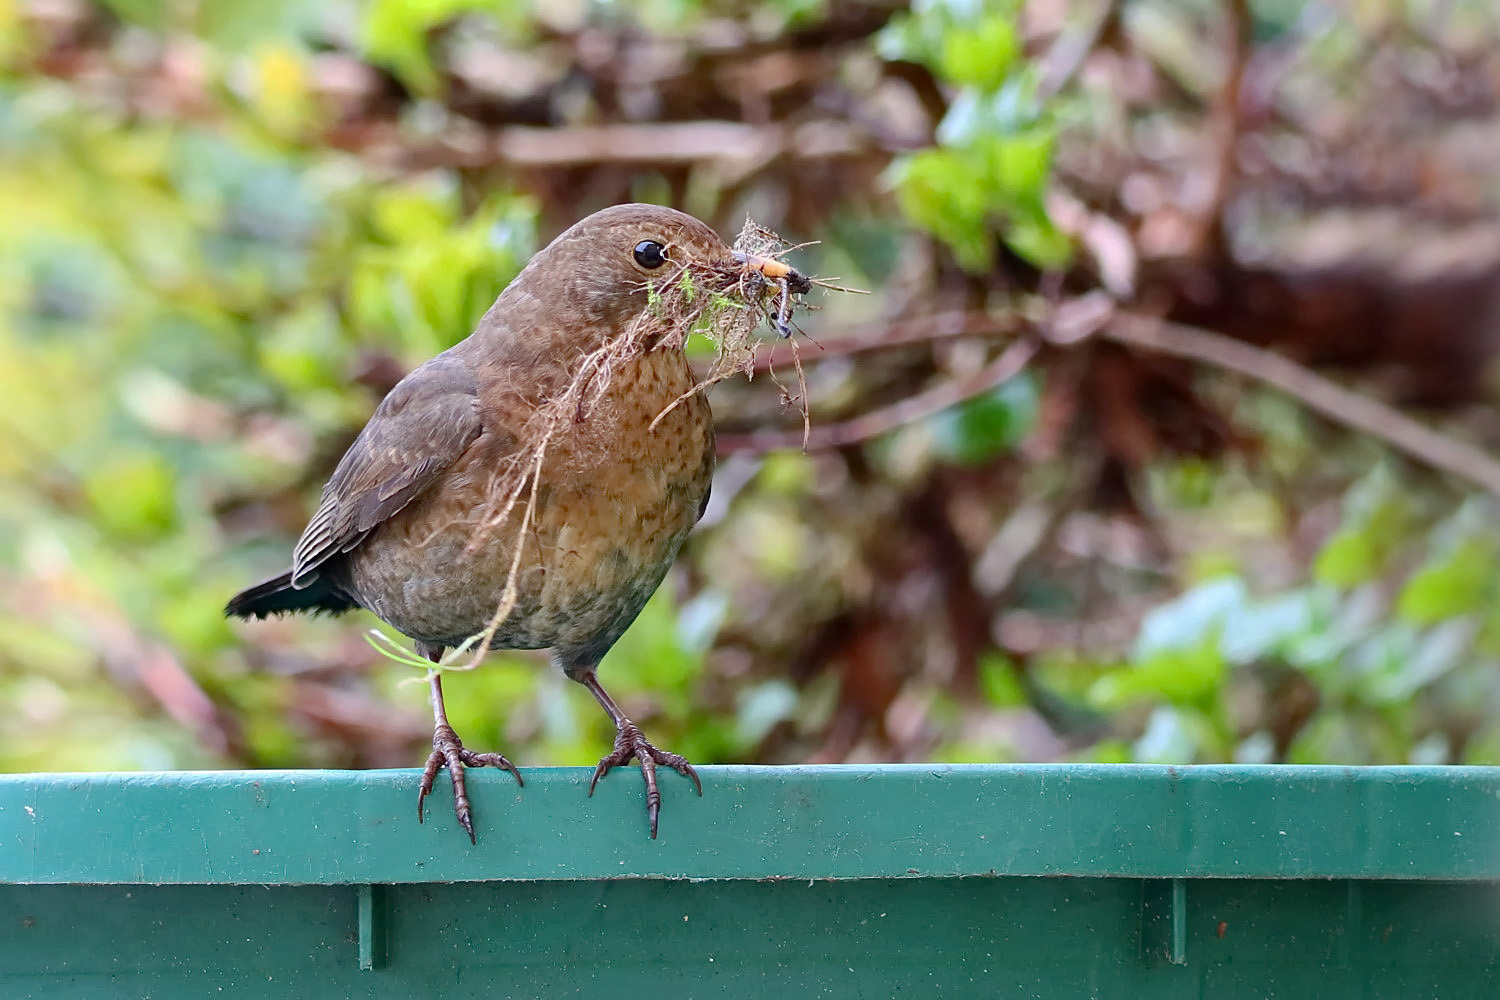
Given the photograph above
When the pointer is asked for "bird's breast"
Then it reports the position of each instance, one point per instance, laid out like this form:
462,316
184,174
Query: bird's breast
586,543
624,484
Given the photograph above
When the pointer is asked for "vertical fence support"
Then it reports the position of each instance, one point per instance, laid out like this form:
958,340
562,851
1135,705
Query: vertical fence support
371,927
1164,925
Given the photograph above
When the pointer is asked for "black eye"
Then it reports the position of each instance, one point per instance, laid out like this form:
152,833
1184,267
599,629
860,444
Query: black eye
650,254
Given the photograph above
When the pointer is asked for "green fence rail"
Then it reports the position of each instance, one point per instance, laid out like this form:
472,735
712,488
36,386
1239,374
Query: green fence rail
994,881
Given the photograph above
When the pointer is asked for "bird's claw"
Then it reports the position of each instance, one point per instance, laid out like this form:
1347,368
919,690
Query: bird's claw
629,743
447,750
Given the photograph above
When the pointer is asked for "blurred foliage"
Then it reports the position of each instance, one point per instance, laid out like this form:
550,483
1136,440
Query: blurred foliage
227,228
990,165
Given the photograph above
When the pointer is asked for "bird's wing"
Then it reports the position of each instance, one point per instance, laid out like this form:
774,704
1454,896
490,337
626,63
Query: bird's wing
417,431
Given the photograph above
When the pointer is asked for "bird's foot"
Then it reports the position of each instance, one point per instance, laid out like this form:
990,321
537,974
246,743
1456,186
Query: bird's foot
629,743
448,751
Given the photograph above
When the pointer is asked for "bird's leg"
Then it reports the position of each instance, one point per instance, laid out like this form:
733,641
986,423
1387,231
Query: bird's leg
630,743
448,750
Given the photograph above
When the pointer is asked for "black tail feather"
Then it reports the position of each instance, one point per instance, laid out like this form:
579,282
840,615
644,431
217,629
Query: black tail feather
277,596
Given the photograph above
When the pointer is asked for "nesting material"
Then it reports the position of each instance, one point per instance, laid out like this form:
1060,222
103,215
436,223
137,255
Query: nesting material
724,302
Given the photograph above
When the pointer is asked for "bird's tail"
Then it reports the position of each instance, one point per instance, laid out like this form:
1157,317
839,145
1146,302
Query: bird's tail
277,596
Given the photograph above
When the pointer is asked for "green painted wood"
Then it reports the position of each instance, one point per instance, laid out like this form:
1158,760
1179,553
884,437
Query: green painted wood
1118,821
1164,928
1052,938
372,930
1180,883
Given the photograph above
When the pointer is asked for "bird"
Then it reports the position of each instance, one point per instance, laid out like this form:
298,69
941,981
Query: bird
447,520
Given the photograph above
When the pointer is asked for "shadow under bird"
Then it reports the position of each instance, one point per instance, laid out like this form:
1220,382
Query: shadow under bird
421,520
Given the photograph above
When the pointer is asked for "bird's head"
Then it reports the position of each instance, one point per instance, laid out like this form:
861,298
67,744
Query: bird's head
602,271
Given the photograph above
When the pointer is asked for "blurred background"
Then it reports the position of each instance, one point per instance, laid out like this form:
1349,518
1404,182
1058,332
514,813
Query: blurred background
1163,436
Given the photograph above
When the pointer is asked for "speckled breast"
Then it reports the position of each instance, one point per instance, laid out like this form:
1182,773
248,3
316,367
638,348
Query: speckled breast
615,500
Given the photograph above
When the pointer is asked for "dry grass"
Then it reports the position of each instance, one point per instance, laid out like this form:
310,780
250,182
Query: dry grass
724,302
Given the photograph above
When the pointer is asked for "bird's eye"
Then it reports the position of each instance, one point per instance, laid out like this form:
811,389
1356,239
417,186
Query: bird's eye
650,254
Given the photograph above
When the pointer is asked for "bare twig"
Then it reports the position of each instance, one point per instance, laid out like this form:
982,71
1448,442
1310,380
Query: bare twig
1067,55
1418,441
802,396
902,333
1226,122
1354,410
676,142
1006,366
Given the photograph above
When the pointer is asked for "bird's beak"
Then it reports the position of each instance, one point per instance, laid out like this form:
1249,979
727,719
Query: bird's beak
775,270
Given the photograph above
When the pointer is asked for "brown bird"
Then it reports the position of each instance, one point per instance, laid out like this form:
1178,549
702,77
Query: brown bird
466,506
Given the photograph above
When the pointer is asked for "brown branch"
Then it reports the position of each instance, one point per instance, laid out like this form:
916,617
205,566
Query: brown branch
676,142
902,333
1069,52
1006,366
736,148
1418,441
1226,123
1356,411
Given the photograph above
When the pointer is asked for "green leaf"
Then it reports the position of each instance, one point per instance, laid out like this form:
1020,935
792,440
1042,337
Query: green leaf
980,55
133,494
985,426
944,192
152,14
1271,627
1189,620
1171,737
761,708
1348,559
1183,675
1021,164
1040,242
394,35
997,679
1451,585
238,24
